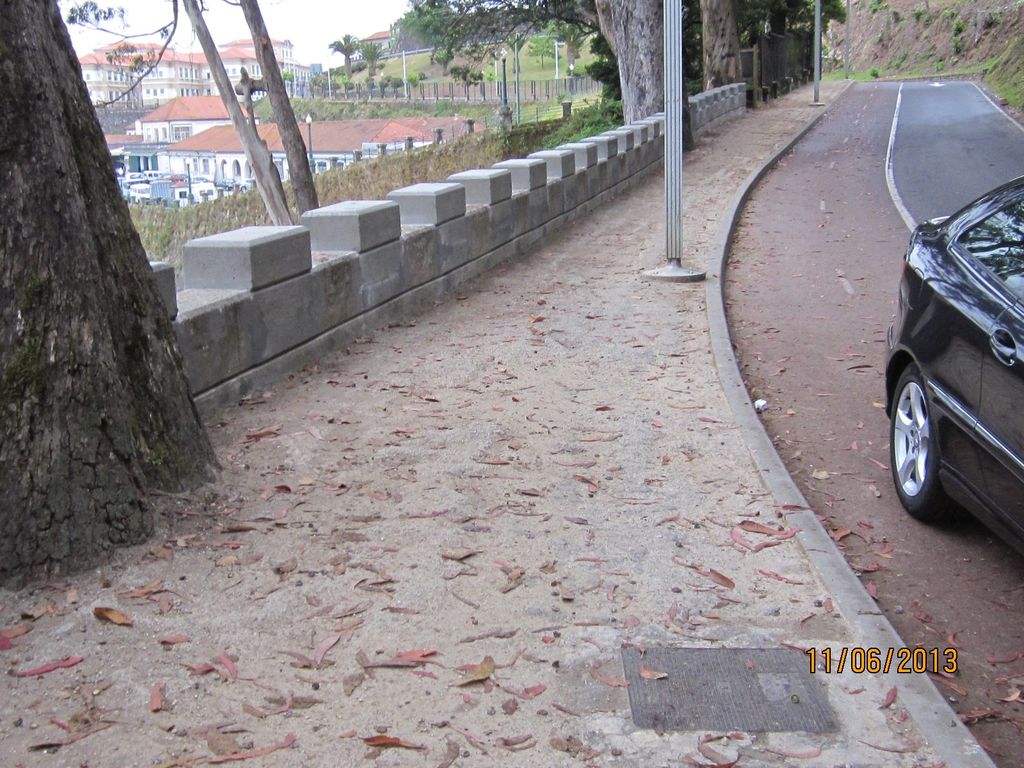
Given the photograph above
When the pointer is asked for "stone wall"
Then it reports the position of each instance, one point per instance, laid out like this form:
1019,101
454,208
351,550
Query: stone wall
261,302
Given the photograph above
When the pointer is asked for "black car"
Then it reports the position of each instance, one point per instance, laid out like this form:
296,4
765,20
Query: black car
955,372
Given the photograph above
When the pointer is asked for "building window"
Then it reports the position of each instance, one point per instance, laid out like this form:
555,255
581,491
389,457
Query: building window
206,165
181,132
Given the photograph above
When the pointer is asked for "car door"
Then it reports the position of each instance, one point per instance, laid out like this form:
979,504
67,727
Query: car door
997,244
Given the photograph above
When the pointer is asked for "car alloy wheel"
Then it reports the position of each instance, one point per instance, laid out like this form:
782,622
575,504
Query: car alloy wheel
911,435
914,452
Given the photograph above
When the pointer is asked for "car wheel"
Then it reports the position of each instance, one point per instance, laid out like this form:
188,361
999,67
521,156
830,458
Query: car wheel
914,452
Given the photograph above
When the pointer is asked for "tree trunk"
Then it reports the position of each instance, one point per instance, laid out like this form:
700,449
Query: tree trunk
721,43
295,149
268,182
94,408
634,30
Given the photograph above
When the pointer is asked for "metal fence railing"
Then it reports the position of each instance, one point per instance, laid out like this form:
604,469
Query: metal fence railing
777,62
527,90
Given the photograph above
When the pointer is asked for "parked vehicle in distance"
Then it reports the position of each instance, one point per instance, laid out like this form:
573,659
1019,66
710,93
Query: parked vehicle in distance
955,371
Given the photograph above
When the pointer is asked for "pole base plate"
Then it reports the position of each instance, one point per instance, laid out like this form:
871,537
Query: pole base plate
675,273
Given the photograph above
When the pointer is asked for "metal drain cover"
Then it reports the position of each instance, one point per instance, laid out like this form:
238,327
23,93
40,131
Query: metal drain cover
726,689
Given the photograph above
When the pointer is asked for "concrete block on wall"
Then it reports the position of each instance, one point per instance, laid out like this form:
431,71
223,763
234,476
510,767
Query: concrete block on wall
556,197
626,137
607,146
353,225
419,256
430,204
246,259
485,186
520,213
380,274
452,244
287,314
539,210
213,330
526,174
478,225
585,152
337,279
501,223
163,274
561,163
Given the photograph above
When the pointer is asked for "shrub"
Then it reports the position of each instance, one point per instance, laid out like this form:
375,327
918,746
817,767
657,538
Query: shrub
919,13
959,25
874,73
588,121
876,5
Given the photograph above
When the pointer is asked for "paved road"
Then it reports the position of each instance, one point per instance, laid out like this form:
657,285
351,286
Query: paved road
951,144
811,292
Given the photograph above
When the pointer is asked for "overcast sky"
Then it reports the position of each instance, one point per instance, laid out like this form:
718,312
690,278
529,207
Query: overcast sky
310,24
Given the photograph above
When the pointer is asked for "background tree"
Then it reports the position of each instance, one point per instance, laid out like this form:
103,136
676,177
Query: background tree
574,36
347,47
721,42
444,57
542,46
94,408
268,182
300,173
372,53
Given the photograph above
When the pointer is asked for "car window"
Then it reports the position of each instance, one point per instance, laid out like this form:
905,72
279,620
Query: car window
998,243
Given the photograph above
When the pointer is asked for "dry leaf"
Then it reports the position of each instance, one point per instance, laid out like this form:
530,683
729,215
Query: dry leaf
650,674
156,698
820,474
112,615
476,673
387,742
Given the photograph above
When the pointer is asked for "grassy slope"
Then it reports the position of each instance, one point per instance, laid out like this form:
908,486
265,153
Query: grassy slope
921,38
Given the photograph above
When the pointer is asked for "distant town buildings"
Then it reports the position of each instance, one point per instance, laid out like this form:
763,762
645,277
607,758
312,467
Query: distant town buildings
112,71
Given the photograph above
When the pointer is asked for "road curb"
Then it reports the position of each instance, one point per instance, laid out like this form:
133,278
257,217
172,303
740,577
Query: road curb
937,722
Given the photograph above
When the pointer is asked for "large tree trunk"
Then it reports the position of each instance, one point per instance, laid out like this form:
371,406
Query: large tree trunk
295,149
721,42
268,181
634,30
94,408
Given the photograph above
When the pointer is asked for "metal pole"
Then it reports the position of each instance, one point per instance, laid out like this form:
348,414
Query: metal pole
330,93
556,60
519,110
846,43
675,92
504,84
817,52
405,77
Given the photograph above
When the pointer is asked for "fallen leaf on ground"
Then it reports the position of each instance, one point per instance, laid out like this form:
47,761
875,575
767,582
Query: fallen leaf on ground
16,631
112,615
64,663
390,742
650,674
156,698
890,697
459,555
288,741
601,677
476,673
174,639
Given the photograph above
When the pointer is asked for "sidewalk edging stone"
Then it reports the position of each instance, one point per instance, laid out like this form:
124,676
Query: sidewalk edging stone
927,707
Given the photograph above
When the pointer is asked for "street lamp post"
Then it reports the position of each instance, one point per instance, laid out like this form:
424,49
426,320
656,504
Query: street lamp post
504,79
572,74
330,94
309,135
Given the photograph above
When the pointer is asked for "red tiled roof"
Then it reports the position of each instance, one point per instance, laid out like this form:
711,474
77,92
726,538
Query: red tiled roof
328,136
119,139
189,108
237,53
243,42
379,36
170,56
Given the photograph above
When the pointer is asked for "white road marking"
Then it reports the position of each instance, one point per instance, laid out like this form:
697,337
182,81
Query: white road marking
997,107
890,181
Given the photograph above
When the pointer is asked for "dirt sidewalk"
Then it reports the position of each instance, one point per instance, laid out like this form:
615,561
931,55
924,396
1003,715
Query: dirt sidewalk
430,550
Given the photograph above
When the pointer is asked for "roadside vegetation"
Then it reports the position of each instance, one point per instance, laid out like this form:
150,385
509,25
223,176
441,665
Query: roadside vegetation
165,230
